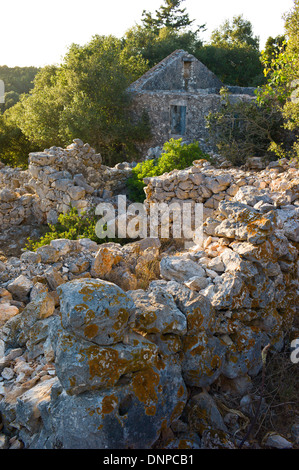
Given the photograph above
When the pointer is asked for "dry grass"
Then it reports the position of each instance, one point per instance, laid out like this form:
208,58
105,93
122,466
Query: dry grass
280,395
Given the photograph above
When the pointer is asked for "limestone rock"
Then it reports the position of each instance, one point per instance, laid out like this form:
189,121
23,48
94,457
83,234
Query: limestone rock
48,254
20,287
179,269
203,359
156,312
82,365
95,310
128,416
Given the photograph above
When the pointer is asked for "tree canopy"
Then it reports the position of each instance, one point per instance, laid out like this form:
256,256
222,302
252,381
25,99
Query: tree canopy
170,15
235,33
85,97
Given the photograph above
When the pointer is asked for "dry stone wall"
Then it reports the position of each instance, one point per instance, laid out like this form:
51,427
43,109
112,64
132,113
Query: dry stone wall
142,344
276,185
56,180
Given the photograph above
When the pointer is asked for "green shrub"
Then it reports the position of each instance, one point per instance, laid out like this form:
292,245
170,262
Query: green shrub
244,129
175,156
72,226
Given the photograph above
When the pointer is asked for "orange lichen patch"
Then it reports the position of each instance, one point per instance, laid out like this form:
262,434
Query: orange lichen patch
159,362
72,381
109,403
88,290
189,342
194,319
144,384
177,411
104,363
91,331
174,342
81,308
243,342
90,411
67,342
215,363
106,366
180,391
150,410
145,320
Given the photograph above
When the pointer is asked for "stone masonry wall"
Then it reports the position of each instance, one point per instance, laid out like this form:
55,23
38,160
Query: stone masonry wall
198,104
56,179
203,183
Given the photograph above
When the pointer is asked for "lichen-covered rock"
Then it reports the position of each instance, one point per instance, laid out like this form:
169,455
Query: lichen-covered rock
156,312
243,354
95,310
82,365
203,359
199,312
131,415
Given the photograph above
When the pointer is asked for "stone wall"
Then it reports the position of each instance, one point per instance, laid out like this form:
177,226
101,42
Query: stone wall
144,357
157,105
276,185
18,207
56,179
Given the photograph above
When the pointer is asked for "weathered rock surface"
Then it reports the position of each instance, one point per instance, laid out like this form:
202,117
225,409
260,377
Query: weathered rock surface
139,346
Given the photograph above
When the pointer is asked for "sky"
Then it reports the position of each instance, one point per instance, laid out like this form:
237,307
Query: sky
39,32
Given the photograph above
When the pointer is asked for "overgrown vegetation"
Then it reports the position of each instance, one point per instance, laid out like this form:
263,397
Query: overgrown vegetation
17,80
242,129
282,88
176,155
269,126
86,96
72,226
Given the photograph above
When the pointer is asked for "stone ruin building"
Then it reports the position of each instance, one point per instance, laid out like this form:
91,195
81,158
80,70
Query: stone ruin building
177,94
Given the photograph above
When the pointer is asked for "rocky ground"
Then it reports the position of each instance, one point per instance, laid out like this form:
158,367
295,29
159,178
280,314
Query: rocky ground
150,345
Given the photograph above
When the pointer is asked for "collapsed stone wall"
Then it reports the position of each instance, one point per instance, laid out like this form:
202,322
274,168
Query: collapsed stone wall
83,340
203,183
56,180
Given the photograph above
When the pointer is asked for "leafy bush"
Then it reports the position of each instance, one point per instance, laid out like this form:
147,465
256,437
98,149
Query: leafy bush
244,129
175,156
72,226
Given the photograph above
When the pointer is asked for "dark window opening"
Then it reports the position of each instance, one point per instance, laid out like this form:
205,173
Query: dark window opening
178,119
187,69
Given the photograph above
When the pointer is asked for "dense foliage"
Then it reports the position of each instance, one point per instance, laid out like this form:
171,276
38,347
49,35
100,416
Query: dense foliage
243,129
17,80
282,88
86,95
175,156
72,226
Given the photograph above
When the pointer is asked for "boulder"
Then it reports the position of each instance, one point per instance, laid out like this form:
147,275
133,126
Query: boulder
95,310
20,287
180,269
